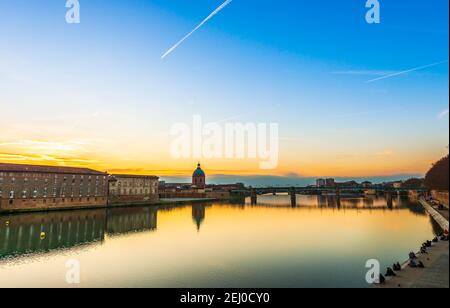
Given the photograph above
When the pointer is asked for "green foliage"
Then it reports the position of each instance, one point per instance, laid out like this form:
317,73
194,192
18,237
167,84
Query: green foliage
414,183
437,177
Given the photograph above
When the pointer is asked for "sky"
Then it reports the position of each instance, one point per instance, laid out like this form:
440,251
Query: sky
352,99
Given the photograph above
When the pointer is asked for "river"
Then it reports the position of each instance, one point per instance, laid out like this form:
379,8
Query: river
322,242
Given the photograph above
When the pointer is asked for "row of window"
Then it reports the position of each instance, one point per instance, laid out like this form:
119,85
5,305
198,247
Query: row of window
25,194
132,184
46,181
42,175
11,201
134,191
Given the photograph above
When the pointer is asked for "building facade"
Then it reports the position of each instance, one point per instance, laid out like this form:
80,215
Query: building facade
199,178
29,187
133,189
320,183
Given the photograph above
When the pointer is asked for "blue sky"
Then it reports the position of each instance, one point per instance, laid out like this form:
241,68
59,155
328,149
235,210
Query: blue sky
303,64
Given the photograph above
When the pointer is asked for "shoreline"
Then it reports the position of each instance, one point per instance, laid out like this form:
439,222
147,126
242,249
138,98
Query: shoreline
436,261
162,202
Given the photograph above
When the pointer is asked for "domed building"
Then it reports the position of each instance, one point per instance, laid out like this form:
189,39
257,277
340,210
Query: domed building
199,178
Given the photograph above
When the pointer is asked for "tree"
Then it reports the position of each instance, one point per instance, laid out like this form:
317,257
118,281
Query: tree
414,183
437,176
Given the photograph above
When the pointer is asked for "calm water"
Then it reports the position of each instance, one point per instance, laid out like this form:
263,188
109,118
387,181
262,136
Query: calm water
322,242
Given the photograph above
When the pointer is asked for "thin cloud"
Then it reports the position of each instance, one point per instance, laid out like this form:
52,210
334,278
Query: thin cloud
363,73
443,114
407,71
226,3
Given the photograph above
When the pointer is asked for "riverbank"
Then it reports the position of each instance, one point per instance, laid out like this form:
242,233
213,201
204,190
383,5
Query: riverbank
436,262
161,202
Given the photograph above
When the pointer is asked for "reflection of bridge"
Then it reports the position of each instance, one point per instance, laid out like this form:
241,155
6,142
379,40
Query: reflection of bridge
388,192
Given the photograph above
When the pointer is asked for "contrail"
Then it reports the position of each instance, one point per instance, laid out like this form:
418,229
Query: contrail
406,72
196,28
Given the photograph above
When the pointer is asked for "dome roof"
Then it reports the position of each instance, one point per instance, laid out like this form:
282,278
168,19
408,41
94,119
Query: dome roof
199,172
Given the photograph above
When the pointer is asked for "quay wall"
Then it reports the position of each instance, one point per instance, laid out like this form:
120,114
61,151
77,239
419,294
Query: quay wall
49,204
443,223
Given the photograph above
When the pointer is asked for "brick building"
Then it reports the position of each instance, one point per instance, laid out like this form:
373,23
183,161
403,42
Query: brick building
29,187
199,178
133,189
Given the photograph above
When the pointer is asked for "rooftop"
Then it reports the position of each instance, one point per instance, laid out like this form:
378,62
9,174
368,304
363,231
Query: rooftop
133,176
48,169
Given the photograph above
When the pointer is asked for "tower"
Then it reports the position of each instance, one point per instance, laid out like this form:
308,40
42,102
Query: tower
199,178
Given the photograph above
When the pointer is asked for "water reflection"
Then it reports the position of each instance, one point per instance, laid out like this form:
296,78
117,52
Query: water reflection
43,232
126,220
198,215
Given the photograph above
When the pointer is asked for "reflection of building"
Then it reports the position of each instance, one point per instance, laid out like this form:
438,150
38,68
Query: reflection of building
199,178
26,187
198,215
29,233
133,189
135,219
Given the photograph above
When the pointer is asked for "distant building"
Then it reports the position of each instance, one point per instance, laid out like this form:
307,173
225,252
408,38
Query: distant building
366,184
226,187
133,189
397,185
330,183
198,188
199,178
320,183
349,184
28,187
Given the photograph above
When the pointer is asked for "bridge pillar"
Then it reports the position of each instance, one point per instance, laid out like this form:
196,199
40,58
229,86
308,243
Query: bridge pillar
389,200
293,195
253,197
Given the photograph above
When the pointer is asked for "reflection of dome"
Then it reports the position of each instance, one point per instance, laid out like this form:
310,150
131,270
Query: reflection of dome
198,215
199,172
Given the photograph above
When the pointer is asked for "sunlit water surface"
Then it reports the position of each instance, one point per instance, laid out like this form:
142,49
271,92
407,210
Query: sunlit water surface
322,242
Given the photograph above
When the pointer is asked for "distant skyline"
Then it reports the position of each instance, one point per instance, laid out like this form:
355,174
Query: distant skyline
352,99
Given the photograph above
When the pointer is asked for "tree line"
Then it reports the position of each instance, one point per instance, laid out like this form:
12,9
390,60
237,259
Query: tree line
437,177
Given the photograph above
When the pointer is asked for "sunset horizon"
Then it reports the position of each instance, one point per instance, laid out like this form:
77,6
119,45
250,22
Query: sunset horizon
249,147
